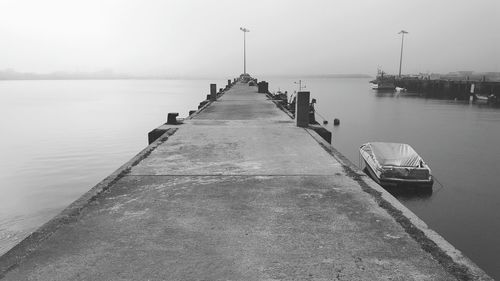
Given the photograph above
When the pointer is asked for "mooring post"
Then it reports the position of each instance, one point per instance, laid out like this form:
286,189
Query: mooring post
262,87
302,109
213,92
172,118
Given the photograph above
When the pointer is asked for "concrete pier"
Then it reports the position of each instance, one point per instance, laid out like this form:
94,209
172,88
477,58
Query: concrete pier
237,192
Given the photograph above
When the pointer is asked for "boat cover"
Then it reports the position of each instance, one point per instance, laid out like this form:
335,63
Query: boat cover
393,154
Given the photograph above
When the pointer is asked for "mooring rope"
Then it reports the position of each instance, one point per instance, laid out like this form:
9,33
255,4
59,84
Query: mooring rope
442,186
317,112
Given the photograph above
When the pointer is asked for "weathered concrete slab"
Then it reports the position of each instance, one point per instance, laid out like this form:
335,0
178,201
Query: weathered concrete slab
237,193
243,103
238,148
232,228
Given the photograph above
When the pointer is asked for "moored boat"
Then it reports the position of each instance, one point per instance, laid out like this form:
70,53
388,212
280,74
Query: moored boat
396,164
383,82
481,98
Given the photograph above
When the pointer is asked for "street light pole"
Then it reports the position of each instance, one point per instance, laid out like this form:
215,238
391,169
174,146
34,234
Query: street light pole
300,85
244,49
402,32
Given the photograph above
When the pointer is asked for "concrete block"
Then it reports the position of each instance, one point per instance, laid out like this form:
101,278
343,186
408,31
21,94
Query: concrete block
263,87
172,118
324,133
213,92
302,109
155,134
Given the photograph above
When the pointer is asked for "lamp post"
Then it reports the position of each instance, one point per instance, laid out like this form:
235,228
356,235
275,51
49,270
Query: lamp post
300,85
244,49
402,32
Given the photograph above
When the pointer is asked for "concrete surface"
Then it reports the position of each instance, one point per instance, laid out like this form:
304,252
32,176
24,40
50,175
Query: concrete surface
237,193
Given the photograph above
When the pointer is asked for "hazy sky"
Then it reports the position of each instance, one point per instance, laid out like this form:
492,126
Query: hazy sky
189,37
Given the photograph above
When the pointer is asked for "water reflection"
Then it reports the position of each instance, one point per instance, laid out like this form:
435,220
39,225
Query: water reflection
384,93
458,139
407,193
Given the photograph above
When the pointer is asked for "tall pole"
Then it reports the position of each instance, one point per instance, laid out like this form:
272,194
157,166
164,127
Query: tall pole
300,85
402,32
244,52
244,49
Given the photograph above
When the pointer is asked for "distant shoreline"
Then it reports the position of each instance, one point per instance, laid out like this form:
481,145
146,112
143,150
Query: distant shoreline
182,78
10,74
321,76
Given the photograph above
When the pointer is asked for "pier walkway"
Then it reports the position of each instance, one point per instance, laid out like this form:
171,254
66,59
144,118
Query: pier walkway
238,192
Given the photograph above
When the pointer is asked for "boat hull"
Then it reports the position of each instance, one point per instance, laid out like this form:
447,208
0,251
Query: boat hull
397,182
382,87
395,165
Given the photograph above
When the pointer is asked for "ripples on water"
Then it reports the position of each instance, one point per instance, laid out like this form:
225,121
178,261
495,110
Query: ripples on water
60,138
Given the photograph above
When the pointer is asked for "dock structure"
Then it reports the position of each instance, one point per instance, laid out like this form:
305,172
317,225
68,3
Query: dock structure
450,89
237,192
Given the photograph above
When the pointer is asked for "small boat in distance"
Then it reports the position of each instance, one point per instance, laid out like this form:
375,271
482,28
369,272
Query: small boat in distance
383,82
396,165
481,98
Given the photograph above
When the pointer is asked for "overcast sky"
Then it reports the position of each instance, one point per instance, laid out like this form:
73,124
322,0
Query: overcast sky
189,37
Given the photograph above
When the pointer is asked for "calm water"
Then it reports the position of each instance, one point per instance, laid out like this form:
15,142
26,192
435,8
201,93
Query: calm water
458,140
59,138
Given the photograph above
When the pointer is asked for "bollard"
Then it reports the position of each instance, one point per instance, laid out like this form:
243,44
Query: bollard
336,122
213,92
302,109
263,87
155,134
202,104
228,82
172,118
260,87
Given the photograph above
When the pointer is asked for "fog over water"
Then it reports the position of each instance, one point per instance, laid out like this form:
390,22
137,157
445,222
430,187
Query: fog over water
59,138
202,38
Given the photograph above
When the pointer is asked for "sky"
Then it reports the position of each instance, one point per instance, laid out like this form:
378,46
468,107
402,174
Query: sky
202,37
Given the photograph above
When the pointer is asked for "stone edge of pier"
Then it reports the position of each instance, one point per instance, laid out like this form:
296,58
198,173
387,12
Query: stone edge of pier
452,259
430,241
11,259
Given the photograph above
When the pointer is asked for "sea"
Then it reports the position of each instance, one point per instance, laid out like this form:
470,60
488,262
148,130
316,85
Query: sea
61,137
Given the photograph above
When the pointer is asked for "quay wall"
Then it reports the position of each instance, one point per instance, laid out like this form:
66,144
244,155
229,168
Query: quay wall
449,89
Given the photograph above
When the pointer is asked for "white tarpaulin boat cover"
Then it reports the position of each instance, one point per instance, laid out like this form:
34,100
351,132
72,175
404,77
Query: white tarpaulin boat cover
393,154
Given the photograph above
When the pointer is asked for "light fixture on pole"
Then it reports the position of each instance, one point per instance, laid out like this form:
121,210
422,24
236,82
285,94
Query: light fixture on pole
402,32
244,49
300,85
